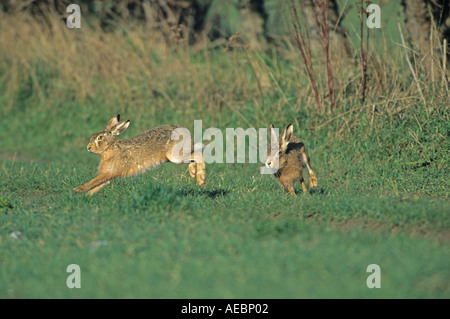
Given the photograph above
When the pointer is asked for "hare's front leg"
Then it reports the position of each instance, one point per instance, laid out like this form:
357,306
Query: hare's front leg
94,185
290,189
97,188
287,183
305,189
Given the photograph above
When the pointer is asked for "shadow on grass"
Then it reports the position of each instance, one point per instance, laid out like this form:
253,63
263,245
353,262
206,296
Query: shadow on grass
311,191
204,192
165,189
319,191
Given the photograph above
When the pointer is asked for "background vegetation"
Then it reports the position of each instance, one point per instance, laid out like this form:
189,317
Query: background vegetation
382,164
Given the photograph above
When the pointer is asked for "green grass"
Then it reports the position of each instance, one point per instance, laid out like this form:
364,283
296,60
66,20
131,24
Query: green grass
382,198
159,235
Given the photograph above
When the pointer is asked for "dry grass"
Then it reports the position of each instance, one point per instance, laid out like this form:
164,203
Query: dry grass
139,67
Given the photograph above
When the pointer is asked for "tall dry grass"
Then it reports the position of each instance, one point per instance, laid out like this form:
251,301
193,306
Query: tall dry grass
134,64
139,68
80,58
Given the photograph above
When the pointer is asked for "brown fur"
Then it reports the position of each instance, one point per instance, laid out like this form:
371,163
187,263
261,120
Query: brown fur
123,158
292,159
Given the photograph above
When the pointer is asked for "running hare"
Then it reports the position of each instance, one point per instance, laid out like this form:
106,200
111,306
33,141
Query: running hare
289,160
123,158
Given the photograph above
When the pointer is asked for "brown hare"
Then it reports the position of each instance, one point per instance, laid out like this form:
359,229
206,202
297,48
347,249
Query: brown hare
123,158
289,160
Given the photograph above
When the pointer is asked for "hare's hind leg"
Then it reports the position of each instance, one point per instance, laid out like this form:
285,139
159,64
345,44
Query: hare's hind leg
312,175
312,179
197,168
193,169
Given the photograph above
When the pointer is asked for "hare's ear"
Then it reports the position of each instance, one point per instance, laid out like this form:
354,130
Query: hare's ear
119,128
114,121
286,136
273,136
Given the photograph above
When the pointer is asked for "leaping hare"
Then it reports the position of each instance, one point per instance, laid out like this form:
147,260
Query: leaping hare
123,158
289,160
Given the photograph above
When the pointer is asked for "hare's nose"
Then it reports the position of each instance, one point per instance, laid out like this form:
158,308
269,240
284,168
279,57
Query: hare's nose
269,164
89,148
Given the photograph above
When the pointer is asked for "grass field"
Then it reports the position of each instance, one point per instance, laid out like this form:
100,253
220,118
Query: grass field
382,166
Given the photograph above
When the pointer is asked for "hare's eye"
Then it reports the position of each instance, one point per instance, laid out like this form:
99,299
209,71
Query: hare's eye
100,137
